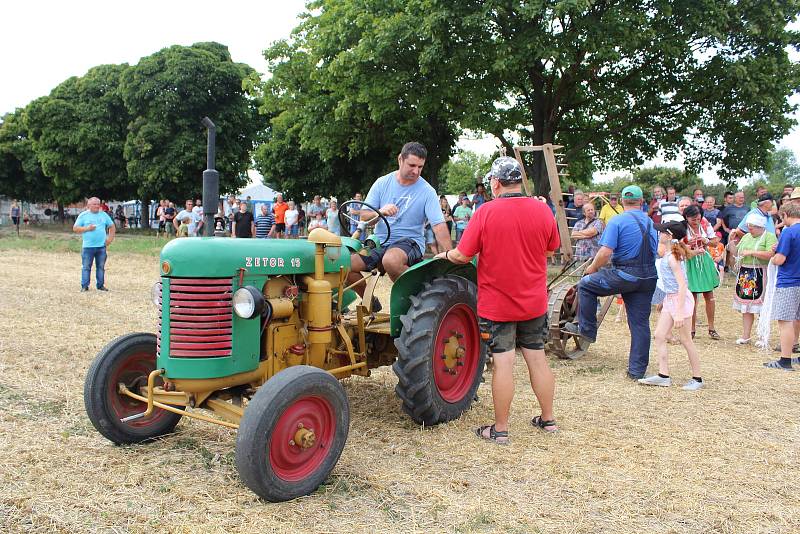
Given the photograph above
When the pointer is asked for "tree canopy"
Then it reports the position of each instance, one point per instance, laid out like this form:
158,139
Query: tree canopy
167,94
21,175
349,89
782,168
615,82
463,171
79,132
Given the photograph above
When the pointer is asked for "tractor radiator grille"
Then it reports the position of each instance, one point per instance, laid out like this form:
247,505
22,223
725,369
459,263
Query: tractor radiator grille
199,317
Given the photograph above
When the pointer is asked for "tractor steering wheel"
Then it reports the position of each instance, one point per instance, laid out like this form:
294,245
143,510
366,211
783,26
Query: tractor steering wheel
345,219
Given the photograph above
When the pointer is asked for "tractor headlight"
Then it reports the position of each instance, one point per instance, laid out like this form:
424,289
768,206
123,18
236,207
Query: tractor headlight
248,302
155,293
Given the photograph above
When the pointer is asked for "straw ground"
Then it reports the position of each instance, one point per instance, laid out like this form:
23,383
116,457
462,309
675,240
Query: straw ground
628,458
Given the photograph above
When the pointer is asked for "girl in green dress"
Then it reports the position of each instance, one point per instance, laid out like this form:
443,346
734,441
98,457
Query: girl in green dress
700,268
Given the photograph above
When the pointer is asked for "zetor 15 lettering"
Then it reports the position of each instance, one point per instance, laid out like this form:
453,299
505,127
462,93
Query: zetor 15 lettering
250,261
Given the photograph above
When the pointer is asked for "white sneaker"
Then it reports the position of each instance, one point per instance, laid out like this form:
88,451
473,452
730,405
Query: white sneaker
692,385
656,380
743,341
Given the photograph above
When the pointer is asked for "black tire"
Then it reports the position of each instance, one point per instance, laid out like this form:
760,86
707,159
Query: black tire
271,465
129,359
426,398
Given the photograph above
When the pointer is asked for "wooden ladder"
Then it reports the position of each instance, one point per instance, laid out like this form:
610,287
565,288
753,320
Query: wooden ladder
556,167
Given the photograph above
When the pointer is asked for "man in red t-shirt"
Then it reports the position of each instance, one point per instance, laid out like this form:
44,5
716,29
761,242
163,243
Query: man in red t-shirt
514,236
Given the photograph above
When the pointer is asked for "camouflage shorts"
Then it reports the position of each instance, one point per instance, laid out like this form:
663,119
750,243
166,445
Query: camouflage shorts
506,336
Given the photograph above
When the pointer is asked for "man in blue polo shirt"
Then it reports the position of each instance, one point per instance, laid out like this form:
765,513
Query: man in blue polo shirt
764,209
98,232
632,275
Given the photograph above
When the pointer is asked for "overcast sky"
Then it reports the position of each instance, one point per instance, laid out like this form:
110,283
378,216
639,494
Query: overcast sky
44,43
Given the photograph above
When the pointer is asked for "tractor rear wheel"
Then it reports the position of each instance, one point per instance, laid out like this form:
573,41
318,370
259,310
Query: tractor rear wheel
440,355
292,433
128,360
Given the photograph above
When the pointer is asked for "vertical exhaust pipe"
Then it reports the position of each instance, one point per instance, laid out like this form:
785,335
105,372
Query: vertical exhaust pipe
210,180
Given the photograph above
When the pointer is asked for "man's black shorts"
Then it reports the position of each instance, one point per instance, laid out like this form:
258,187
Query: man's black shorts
280,228
407,245
506,336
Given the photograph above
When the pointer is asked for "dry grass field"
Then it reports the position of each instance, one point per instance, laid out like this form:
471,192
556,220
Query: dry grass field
628,459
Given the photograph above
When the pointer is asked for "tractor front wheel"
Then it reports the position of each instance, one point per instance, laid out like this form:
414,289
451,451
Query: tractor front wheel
440,356
292,433
126,360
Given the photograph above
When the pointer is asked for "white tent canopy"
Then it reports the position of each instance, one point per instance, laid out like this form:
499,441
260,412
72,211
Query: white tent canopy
257,191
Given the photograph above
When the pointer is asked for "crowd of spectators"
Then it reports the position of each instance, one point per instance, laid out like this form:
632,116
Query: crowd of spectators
730,236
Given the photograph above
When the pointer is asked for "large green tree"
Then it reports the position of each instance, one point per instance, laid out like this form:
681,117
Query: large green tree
682,180
350,88
79,132
617,82
167,94
463,171
781,169
21,175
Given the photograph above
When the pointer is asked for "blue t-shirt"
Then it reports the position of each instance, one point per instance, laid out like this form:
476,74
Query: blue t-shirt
415,203
711,216
97,237
622,235
770,224
789,246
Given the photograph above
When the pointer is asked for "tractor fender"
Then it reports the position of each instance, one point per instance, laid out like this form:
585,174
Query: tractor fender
414,278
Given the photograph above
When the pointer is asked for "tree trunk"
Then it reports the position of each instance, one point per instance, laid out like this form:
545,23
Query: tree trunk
61,213
144,213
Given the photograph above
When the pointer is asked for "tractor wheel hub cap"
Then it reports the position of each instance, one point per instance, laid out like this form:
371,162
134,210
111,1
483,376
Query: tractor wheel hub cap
304,438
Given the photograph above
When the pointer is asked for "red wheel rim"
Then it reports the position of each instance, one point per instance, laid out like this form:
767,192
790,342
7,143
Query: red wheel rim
133,372
454,382
290,461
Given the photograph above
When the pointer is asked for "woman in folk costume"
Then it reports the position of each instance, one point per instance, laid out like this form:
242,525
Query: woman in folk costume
700,268
754,253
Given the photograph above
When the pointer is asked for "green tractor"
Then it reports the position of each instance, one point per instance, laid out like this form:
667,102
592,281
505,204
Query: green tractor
256,334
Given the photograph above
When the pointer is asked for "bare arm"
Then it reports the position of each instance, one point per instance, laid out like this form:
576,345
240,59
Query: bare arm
602,257
779,259
761,254
586,233
454,256
112,233
442,236
81,229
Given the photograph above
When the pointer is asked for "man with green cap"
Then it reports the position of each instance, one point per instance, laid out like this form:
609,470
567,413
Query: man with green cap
631,243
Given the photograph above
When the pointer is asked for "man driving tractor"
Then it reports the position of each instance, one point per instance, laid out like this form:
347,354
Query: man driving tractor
406,200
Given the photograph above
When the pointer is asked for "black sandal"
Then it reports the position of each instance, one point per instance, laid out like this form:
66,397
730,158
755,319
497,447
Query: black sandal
547,426
713,334
494,435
